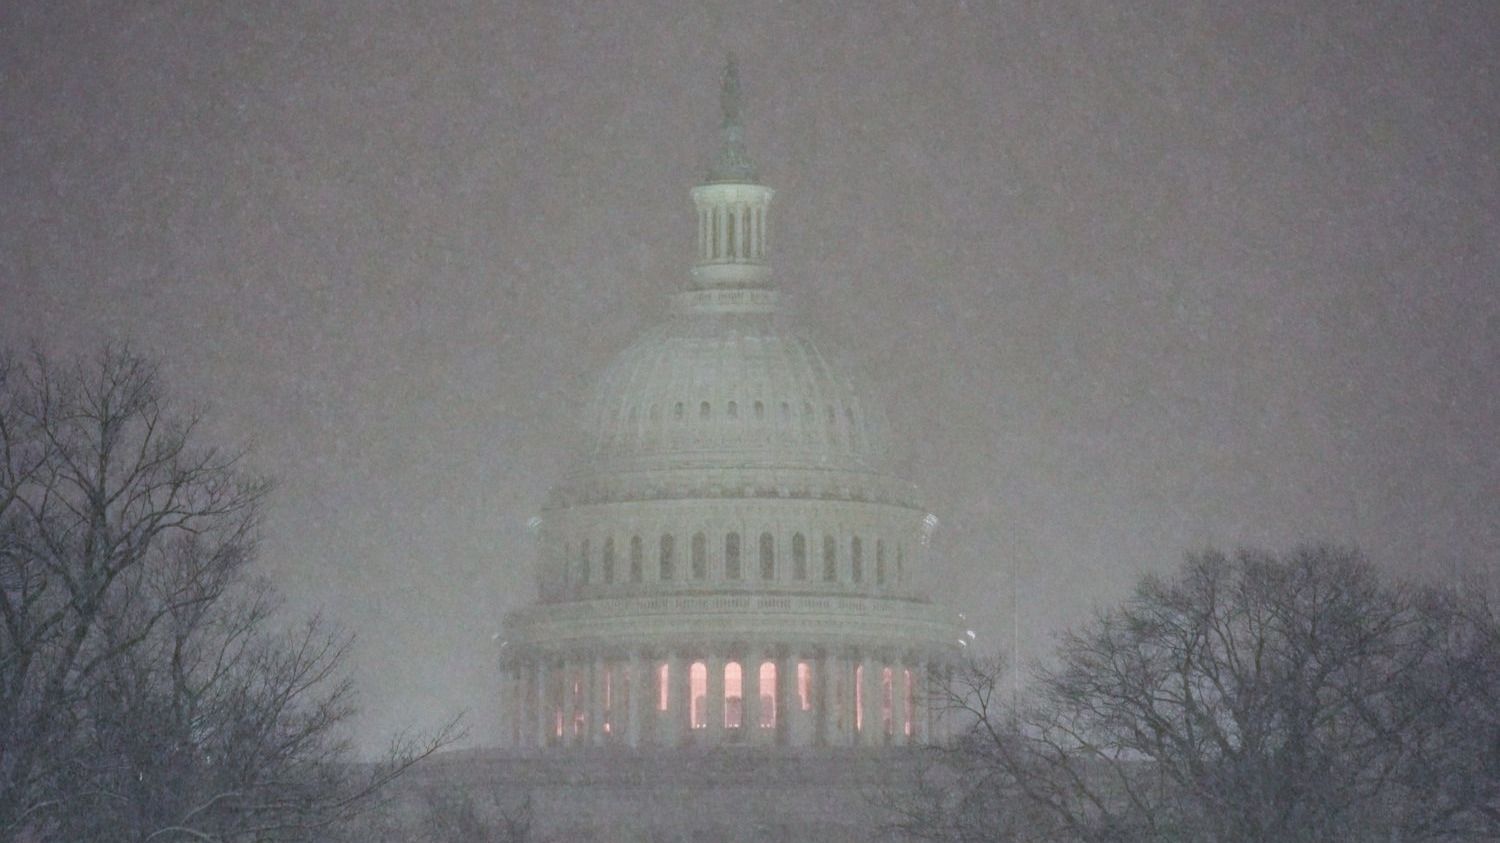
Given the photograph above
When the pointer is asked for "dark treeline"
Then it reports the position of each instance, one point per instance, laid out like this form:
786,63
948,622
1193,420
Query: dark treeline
1247,698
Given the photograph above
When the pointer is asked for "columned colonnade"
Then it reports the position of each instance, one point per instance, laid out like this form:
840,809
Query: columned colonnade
731,694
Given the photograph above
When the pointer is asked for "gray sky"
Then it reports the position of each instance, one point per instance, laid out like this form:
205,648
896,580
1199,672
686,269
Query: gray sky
1134,278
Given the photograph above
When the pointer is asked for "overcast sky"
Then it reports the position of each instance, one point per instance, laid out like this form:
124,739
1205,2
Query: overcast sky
1133,278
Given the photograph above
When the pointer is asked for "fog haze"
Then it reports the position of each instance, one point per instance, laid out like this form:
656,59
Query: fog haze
1132,279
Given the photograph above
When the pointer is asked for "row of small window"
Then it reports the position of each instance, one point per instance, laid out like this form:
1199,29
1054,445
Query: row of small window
894,684
580,570
732,410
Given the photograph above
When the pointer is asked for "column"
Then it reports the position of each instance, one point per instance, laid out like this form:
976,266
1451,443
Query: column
750,695
715,708
633,686
598,699
920,701
869,700
786,679
679,714
822,698
543,711
899,691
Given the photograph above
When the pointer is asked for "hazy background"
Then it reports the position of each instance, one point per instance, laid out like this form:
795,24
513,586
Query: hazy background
1135,278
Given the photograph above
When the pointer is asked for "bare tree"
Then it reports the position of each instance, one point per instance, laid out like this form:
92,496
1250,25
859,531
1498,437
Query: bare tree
1246,699
145,691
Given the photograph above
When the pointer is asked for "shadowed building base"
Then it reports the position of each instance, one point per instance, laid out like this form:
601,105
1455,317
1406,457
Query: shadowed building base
722,795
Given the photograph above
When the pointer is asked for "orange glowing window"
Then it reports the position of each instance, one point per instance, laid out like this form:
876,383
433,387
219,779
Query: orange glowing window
804,685
698,696
733,696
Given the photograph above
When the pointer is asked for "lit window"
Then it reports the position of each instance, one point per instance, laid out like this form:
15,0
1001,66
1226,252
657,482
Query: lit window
768,695
698,686
733,696
767,556
663,689
732,556
804,685
609,700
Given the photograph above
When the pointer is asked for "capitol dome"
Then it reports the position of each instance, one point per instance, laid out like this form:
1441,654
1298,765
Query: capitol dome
729,559
740,386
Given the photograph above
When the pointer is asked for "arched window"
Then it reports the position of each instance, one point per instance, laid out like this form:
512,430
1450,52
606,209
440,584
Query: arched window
760,410
880,562
732,556
856,560
804,686
668,550
730,225
583,563
830,559
734,712
700,556
767,557
734,410
768,695
637,558
608,564
704,409
799,557
677,410
698,696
